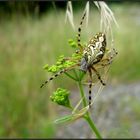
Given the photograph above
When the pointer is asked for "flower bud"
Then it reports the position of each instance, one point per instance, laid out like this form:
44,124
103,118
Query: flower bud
61,97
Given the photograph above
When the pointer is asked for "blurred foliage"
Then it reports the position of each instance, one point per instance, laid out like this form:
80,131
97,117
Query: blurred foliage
27,44
41,7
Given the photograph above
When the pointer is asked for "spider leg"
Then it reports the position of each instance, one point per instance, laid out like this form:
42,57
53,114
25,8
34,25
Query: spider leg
107,59
57,74
90,86
98,75
79,32
51,78
110,59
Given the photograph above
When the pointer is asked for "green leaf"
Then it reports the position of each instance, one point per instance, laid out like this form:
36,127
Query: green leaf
46,67
63,119
72,43
73,117
53,69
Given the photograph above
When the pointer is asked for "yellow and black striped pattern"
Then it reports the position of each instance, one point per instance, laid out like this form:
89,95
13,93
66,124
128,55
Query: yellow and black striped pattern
95,50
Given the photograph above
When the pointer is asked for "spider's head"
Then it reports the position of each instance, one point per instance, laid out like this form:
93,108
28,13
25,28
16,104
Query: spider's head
84,64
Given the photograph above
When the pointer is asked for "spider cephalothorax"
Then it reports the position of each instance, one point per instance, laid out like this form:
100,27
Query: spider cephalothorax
92,57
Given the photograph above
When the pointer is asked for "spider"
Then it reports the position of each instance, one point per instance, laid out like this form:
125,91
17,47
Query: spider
94,56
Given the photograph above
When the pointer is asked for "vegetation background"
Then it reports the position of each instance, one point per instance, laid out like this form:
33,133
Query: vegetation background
33,34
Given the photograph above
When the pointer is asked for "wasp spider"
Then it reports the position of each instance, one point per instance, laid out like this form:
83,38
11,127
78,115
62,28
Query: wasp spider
94,56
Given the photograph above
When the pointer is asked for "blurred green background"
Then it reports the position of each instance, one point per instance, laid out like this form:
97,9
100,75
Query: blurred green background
33,34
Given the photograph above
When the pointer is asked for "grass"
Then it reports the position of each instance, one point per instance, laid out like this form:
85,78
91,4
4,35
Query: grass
27,44
127,65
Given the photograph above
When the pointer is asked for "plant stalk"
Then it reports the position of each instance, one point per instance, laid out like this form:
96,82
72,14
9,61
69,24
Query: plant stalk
92,125
87,116
82,93
71,76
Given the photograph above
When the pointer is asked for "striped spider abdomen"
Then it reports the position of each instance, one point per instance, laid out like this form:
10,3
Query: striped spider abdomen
94,51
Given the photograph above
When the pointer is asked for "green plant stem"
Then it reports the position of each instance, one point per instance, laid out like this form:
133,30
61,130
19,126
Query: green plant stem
71,76
75,74
87,116
82,93
92,125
